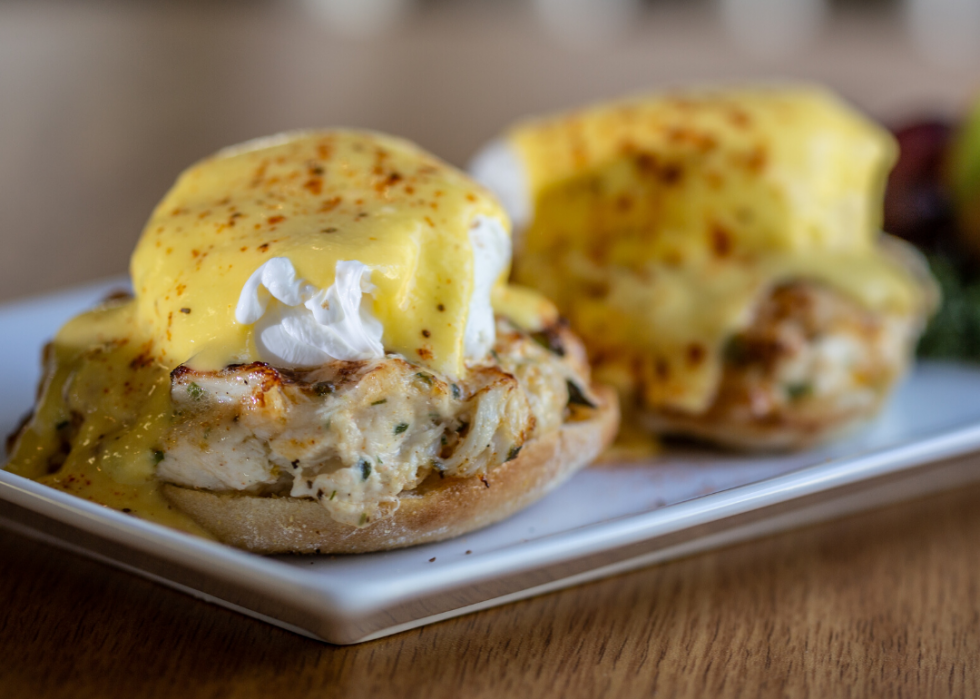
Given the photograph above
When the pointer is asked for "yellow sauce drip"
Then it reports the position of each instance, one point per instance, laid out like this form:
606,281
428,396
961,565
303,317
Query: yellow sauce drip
660,222
100,419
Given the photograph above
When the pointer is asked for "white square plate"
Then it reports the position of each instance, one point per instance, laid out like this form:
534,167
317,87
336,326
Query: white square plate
606,520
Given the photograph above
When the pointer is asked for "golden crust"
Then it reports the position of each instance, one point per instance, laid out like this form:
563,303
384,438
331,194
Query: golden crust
436,510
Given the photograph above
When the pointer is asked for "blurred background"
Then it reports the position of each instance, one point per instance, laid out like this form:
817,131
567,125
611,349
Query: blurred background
103,102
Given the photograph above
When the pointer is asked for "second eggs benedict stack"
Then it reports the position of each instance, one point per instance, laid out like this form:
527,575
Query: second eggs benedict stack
720,252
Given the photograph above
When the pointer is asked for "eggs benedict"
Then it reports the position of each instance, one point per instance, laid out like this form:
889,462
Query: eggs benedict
321,354
720,253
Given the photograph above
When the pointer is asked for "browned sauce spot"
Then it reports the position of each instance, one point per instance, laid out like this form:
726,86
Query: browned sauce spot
738,118
695,354
671,173
721,241
329,205
757,159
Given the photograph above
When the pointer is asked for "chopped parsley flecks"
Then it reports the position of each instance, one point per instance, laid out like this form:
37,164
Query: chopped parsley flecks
798,391
401,427
195,391
365,469
323,388
736,351
549,340
380,402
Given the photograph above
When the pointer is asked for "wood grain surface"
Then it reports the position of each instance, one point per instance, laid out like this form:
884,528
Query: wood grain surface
883,604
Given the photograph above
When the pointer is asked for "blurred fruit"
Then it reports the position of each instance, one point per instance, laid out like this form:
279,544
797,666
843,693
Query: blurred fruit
964,177
917,201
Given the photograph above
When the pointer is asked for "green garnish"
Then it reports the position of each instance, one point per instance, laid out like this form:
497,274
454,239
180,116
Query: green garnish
195,391
323,388
365,469
401,427
364,518
512,454
550,341
380,402
540,339
333,495
456,392
424,377
736,350
954,332
796,391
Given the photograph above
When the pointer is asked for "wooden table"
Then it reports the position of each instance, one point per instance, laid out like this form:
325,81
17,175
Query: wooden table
882,604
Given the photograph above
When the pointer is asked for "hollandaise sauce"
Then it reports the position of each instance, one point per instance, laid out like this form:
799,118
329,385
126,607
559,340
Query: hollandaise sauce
314,199
660,222
97,431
